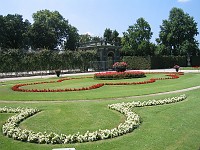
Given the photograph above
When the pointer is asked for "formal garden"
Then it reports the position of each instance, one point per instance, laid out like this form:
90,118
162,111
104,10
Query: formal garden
62,89
105,110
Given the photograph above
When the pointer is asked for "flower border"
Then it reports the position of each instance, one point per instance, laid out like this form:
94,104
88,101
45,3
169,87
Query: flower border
11,127
119,75
17,87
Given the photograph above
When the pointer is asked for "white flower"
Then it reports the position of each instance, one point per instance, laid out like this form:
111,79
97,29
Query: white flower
11,129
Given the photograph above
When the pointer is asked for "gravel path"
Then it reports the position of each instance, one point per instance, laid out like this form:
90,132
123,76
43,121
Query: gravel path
89,73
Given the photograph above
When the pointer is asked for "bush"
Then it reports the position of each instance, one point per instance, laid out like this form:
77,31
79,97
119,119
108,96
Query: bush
137,62
119,75
195,61
161,62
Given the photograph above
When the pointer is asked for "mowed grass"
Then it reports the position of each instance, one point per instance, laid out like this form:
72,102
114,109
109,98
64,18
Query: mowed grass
173,126
185,81
167,127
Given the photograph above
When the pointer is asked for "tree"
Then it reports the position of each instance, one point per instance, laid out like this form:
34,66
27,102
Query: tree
96,39
13,31
2,28
112,37
136,41
48,30
84,38
116,40
72,38
177,32
108,35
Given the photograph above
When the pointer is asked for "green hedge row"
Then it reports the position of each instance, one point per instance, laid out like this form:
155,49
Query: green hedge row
135,62
161,62
155,62
15,60
195,61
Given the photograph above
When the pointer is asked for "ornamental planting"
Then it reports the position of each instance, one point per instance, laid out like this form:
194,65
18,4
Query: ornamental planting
108,75
119,75
11,127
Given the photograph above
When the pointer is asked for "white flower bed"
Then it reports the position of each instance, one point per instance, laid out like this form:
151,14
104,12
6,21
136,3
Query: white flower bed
11,129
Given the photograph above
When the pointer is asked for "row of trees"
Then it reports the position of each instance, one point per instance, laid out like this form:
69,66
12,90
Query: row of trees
50,30
176,37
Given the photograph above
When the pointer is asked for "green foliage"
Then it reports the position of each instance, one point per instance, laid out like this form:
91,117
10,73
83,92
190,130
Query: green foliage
173,126
119,75
195,61
13,31
161,62
108,35
84,38
15,60
72,38
136,62
155,62
185,81
136,41
48,30
11,59
112,37
172,121
177,35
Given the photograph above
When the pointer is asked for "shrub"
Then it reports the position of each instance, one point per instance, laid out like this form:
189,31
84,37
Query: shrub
120,66
119,75
136,62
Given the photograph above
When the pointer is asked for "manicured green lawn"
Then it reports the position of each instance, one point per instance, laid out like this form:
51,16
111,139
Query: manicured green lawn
173,126
185,81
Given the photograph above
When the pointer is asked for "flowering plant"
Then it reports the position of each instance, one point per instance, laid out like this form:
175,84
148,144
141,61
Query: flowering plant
120,65
176,67
11,127
102,76
119,75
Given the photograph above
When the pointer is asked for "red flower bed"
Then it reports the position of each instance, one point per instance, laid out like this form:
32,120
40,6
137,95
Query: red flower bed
17,87
119,75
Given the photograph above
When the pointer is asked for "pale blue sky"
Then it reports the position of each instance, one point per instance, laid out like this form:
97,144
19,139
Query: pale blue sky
94,16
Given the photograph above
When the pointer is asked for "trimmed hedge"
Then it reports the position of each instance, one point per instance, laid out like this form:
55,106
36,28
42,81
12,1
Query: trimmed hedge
17,60
136,62
161,62
195,61
157,62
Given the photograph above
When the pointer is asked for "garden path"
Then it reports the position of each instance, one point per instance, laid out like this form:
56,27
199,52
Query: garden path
89,73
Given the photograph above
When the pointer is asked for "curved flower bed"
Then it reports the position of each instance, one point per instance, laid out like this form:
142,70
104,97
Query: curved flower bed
17,87
119,75
11,127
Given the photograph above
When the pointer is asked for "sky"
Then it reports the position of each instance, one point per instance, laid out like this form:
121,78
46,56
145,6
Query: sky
94,16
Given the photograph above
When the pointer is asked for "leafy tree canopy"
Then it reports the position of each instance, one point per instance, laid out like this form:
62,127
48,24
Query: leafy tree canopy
112,37
136,40
50,29
177,33
13,31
